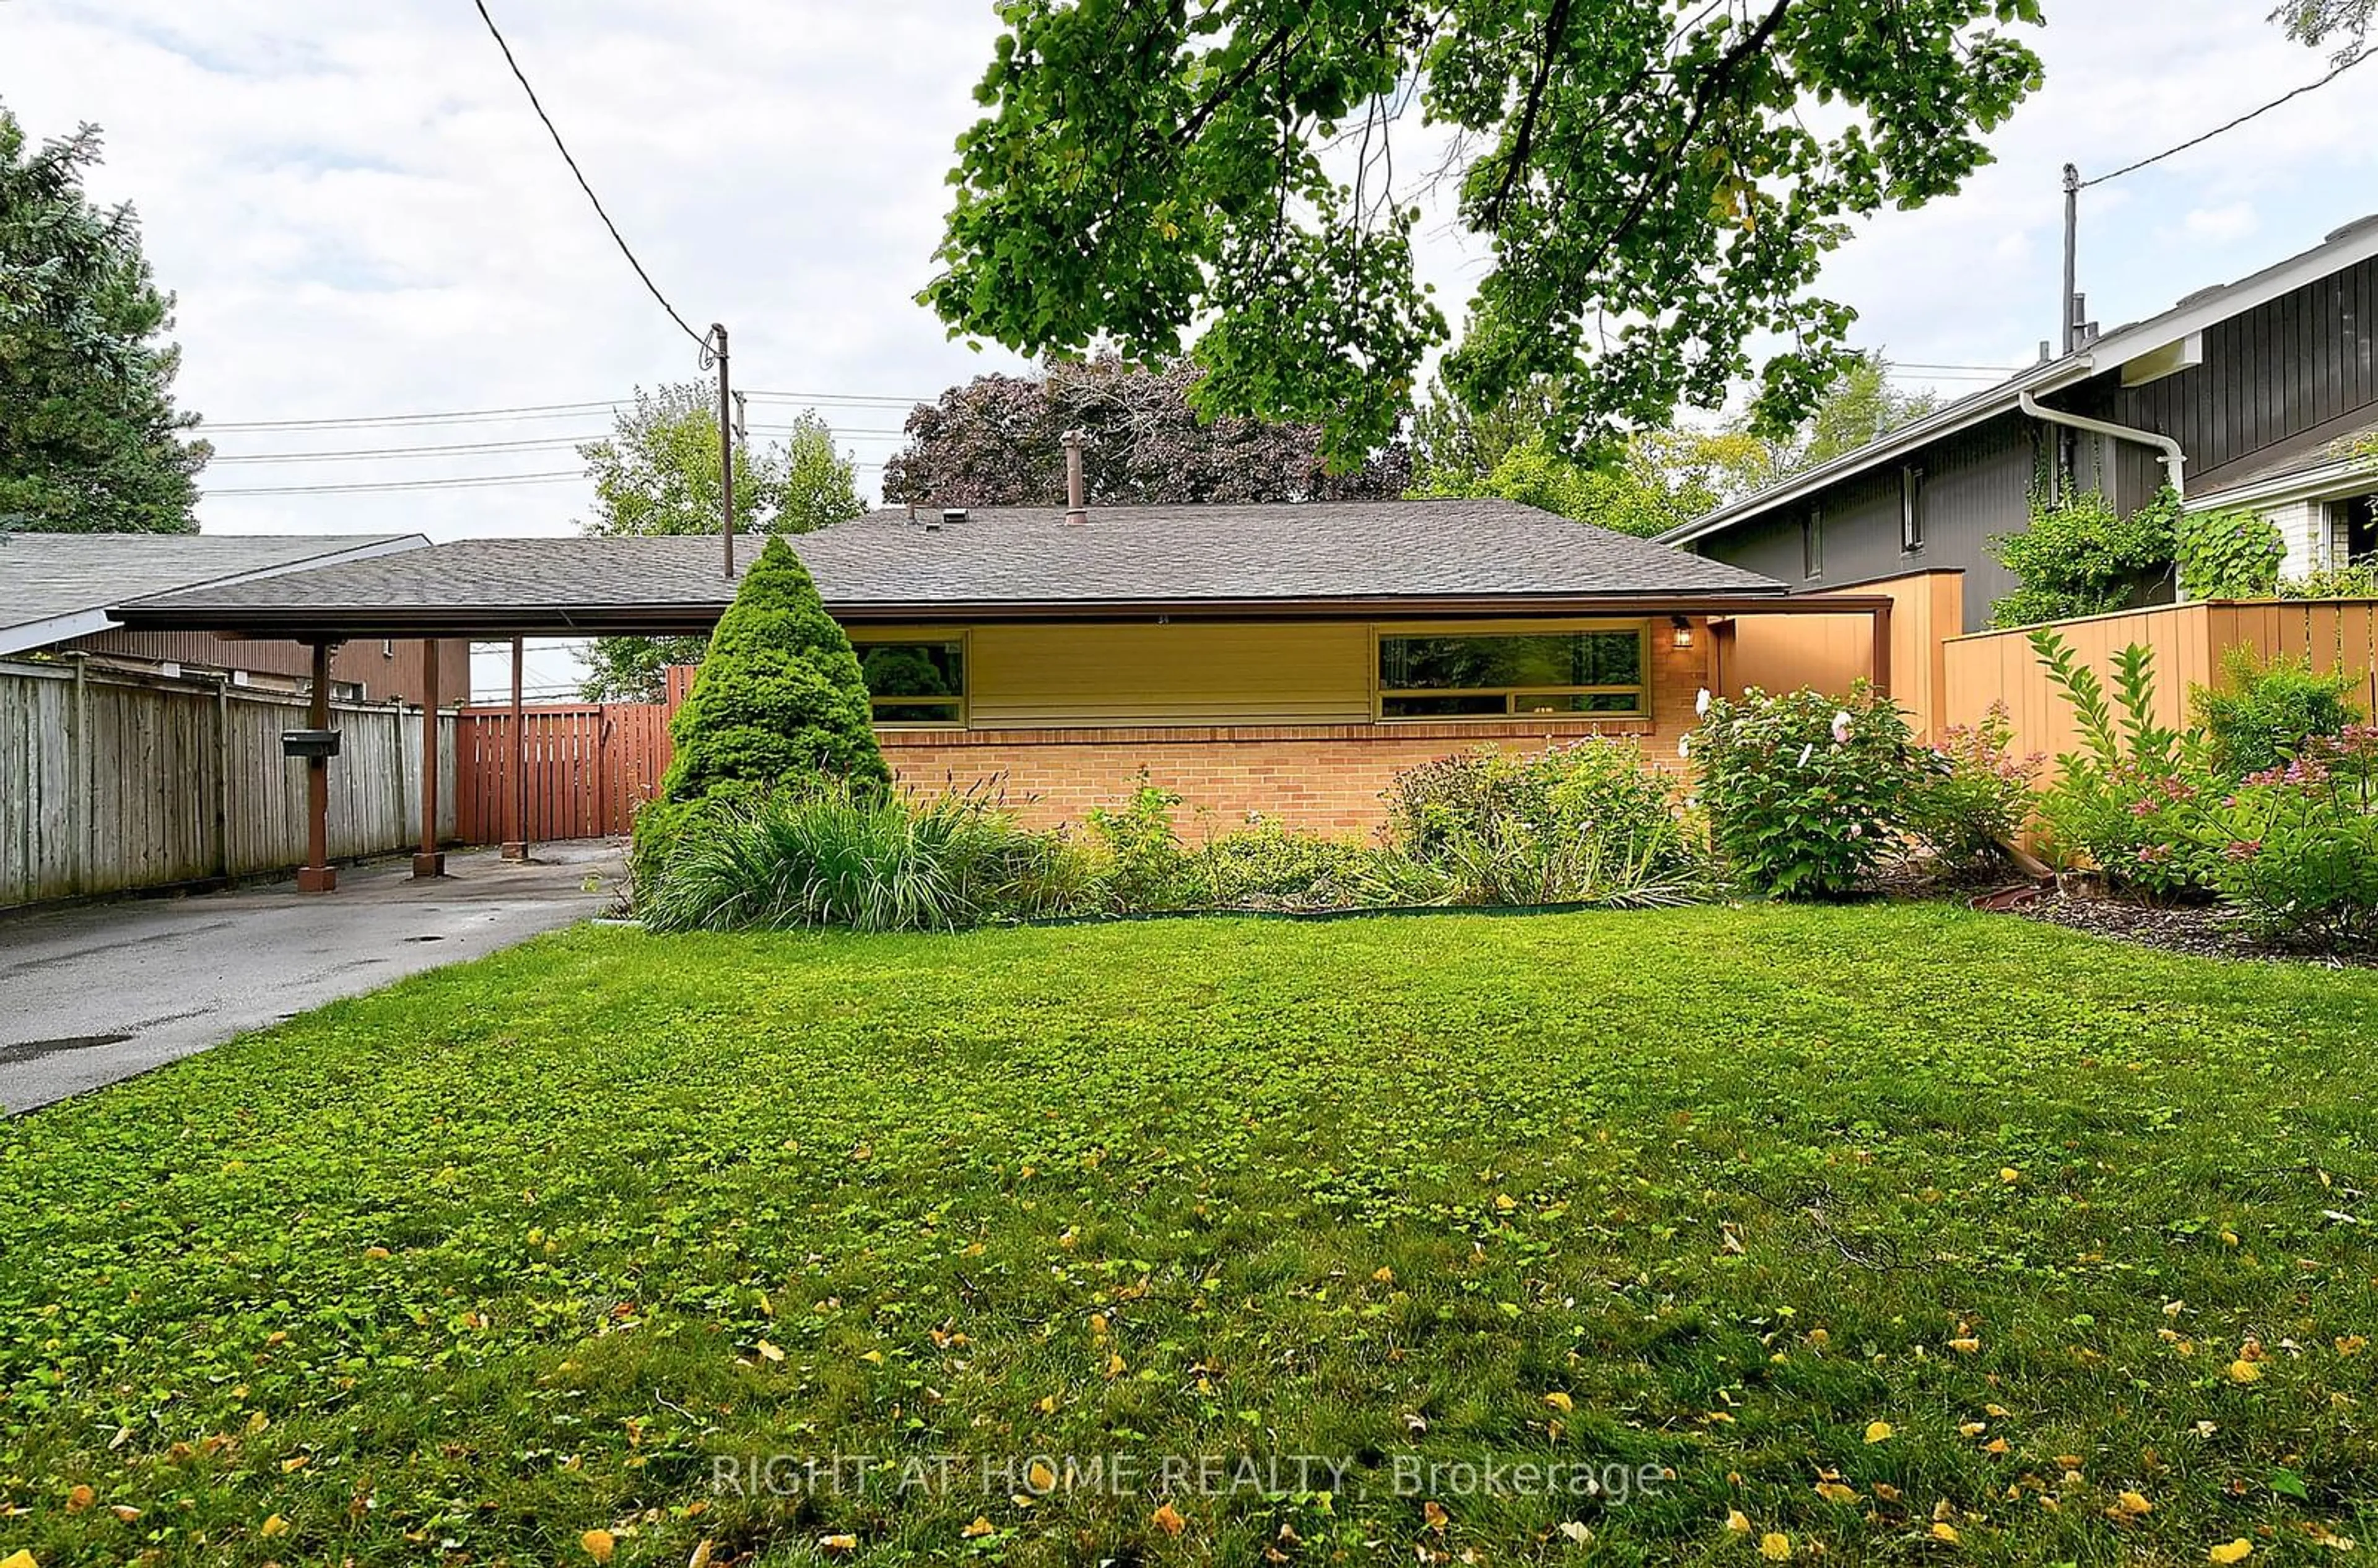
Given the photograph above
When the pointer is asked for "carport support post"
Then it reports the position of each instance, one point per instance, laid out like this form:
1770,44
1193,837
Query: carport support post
318,875
429,863
516,846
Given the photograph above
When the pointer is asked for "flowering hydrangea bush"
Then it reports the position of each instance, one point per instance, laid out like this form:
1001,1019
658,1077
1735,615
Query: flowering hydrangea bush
2295,849
1806,793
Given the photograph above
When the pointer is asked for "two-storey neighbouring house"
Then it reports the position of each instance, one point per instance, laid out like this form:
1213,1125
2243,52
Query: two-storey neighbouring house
2252,394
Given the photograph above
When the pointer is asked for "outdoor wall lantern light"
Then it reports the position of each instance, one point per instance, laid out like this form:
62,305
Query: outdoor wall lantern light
1683,635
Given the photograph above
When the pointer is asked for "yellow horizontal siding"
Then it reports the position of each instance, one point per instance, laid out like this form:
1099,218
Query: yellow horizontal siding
1181,673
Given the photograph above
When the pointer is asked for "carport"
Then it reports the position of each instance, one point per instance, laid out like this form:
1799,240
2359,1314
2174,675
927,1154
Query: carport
483,589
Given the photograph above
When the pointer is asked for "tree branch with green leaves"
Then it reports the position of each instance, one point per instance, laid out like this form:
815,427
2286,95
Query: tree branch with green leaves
1657,183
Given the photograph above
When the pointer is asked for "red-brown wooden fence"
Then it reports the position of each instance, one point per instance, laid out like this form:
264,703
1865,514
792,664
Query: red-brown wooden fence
589,766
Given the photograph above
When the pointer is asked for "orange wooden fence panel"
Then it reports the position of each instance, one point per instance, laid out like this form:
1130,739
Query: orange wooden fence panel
588,767
2188,641
1831,653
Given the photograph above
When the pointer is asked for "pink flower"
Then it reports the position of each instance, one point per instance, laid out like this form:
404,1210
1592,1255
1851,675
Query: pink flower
2153,854
2243,849
2143,807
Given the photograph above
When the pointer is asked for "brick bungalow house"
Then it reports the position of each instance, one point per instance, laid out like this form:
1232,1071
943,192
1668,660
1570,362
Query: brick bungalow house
1284,659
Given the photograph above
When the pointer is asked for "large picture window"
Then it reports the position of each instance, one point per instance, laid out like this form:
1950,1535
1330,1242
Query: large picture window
1463,674
914,681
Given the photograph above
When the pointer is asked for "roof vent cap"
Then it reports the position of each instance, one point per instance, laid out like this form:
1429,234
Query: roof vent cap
2357,226
954,514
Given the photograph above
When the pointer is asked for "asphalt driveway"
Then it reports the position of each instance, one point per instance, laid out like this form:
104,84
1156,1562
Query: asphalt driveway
91,994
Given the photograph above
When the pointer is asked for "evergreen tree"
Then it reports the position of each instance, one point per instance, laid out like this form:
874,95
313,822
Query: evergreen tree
779,699
90,440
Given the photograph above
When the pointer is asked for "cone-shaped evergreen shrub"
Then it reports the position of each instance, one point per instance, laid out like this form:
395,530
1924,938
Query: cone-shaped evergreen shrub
779,699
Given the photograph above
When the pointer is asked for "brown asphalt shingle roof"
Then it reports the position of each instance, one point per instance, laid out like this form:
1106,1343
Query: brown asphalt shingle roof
1161,558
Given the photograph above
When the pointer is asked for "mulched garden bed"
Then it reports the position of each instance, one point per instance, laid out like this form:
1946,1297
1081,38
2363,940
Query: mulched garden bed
2204,931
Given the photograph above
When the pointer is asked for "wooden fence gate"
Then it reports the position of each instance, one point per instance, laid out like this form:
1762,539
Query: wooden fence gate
589,766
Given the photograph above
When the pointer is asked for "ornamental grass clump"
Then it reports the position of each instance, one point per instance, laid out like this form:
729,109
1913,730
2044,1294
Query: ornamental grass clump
1806,793
872,861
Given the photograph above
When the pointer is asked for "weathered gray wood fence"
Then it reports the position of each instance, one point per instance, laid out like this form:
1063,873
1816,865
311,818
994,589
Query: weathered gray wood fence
110,782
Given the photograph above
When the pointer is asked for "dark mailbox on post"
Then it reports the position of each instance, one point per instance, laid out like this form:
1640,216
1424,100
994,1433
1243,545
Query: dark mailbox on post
309,743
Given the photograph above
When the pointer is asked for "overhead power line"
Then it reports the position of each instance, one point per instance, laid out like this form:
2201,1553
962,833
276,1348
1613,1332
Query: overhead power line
2342,66
552,476
533,412
553,443
564,148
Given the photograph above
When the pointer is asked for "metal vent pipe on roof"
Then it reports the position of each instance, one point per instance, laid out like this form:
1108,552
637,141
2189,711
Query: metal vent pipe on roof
1078,512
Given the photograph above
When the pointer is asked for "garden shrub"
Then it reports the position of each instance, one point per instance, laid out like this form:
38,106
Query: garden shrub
779,699
1602,784
872,860
2082,556
1804,793
2228,555
1266,866
1142,864
2297,846
2268,711
1508,862
2128,798
1975,798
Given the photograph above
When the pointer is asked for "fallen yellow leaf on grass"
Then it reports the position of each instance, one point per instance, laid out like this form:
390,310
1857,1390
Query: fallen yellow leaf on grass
1560,1401
2243,1370
980,1528
1775,1546
1384,1274
768,1352
1965,1346
1737,1521
1039,1476
2352,1345
2132,1505
1877,1431
2009,1175
1576,1530
275,1525
837,1543
19,1560
1833,1491
701,1557
2233,1552
375,1254
1944,1531
1167,1519
80,1498
600,1545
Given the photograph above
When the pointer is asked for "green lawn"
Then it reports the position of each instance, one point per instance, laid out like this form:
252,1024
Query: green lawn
524,1248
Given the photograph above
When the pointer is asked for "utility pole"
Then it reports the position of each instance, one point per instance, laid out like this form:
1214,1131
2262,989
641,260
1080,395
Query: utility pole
2069,309
725,449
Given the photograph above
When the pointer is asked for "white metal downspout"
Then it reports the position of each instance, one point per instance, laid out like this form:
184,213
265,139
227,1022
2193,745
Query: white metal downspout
2175,460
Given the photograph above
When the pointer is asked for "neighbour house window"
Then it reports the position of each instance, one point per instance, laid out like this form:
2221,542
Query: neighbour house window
914,681
1458,674
1911,509
2360,529
1812,545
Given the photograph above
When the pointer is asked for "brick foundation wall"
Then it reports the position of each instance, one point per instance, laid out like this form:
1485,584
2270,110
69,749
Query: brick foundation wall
1322,777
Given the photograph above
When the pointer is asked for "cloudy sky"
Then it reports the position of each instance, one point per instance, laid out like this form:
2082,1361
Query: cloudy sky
363,218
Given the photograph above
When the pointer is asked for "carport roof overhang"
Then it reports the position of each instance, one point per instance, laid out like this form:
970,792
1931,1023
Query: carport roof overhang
340,621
